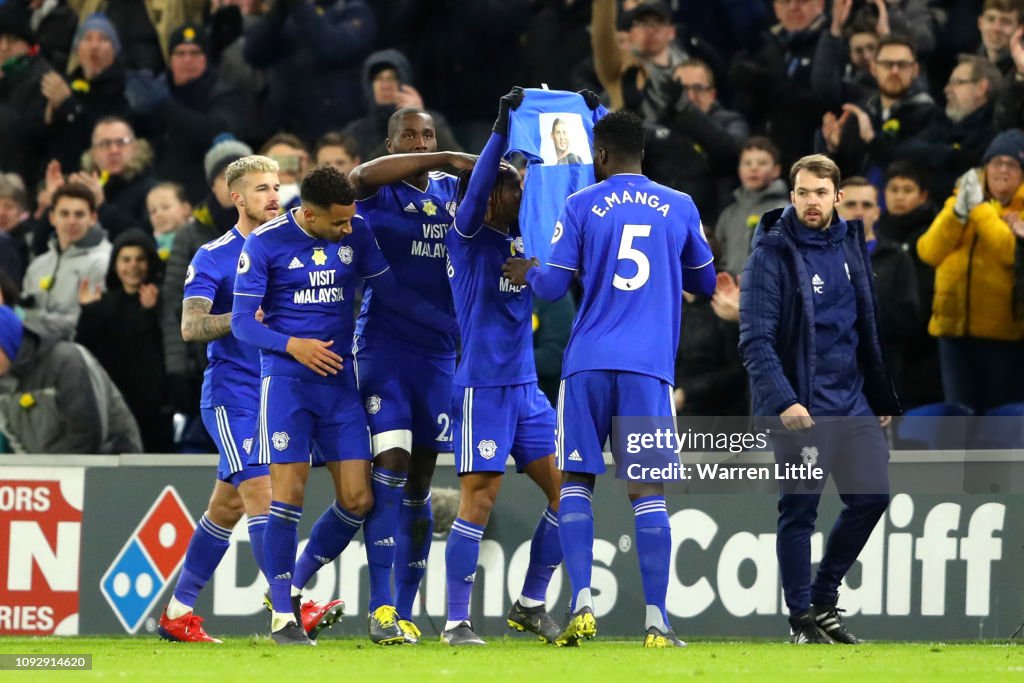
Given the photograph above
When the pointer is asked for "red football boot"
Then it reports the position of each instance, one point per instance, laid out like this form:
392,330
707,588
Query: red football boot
317,617
187,628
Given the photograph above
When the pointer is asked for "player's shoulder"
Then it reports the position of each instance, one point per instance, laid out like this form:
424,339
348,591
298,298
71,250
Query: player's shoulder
443,184
442,176
669,194
678,194
271,229
219,243
582,199
359,222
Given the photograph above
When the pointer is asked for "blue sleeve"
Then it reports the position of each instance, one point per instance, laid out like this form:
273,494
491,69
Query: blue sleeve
470,214
549,282
251,275
370,261
700,281
760,315
567,241
698,261
201,277
250,288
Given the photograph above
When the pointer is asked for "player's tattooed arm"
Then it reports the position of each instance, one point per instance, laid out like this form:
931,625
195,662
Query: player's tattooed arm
198,325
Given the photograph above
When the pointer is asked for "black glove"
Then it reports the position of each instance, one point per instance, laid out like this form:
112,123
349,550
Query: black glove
591,98
507,103
674,94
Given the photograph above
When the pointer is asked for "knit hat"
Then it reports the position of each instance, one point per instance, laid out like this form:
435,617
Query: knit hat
651,8
1008,143
11,331
190,34
226,150
97,22
14,21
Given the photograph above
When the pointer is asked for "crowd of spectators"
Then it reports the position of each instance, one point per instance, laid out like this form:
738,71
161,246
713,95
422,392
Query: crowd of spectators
118,117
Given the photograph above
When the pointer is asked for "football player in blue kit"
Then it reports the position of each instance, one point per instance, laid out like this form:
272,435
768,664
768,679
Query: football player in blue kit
405,369
302,268
230,394
636,245
499,409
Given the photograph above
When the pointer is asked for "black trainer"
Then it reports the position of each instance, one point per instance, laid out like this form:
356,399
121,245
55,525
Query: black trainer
533,619
803,630
291,634
828,620
462,634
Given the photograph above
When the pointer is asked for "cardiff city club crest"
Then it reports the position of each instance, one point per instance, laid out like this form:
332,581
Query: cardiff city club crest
809,454
373,405
280,440
345,254
487,449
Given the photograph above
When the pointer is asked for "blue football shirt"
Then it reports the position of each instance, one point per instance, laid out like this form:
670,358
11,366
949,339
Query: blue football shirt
232,377
410,226
629,239
306,285
556,170
495,317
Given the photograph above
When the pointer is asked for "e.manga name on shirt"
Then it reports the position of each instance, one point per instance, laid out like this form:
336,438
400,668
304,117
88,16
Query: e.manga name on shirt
626,197
431,231
321,289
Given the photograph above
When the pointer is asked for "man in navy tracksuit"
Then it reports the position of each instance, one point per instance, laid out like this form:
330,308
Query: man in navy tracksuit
810,342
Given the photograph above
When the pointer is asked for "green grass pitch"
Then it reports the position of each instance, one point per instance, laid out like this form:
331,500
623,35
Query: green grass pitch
520,660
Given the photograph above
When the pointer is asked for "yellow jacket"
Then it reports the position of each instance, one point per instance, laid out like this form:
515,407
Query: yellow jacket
973,271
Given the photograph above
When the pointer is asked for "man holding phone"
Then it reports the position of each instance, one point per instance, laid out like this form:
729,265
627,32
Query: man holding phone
387,88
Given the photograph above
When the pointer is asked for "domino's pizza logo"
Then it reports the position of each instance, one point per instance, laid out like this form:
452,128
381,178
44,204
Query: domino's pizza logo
148,560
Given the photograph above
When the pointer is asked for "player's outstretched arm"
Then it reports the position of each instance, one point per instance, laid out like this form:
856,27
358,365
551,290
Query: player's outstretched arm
367,178
469,217
470,214
548,282
199,325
